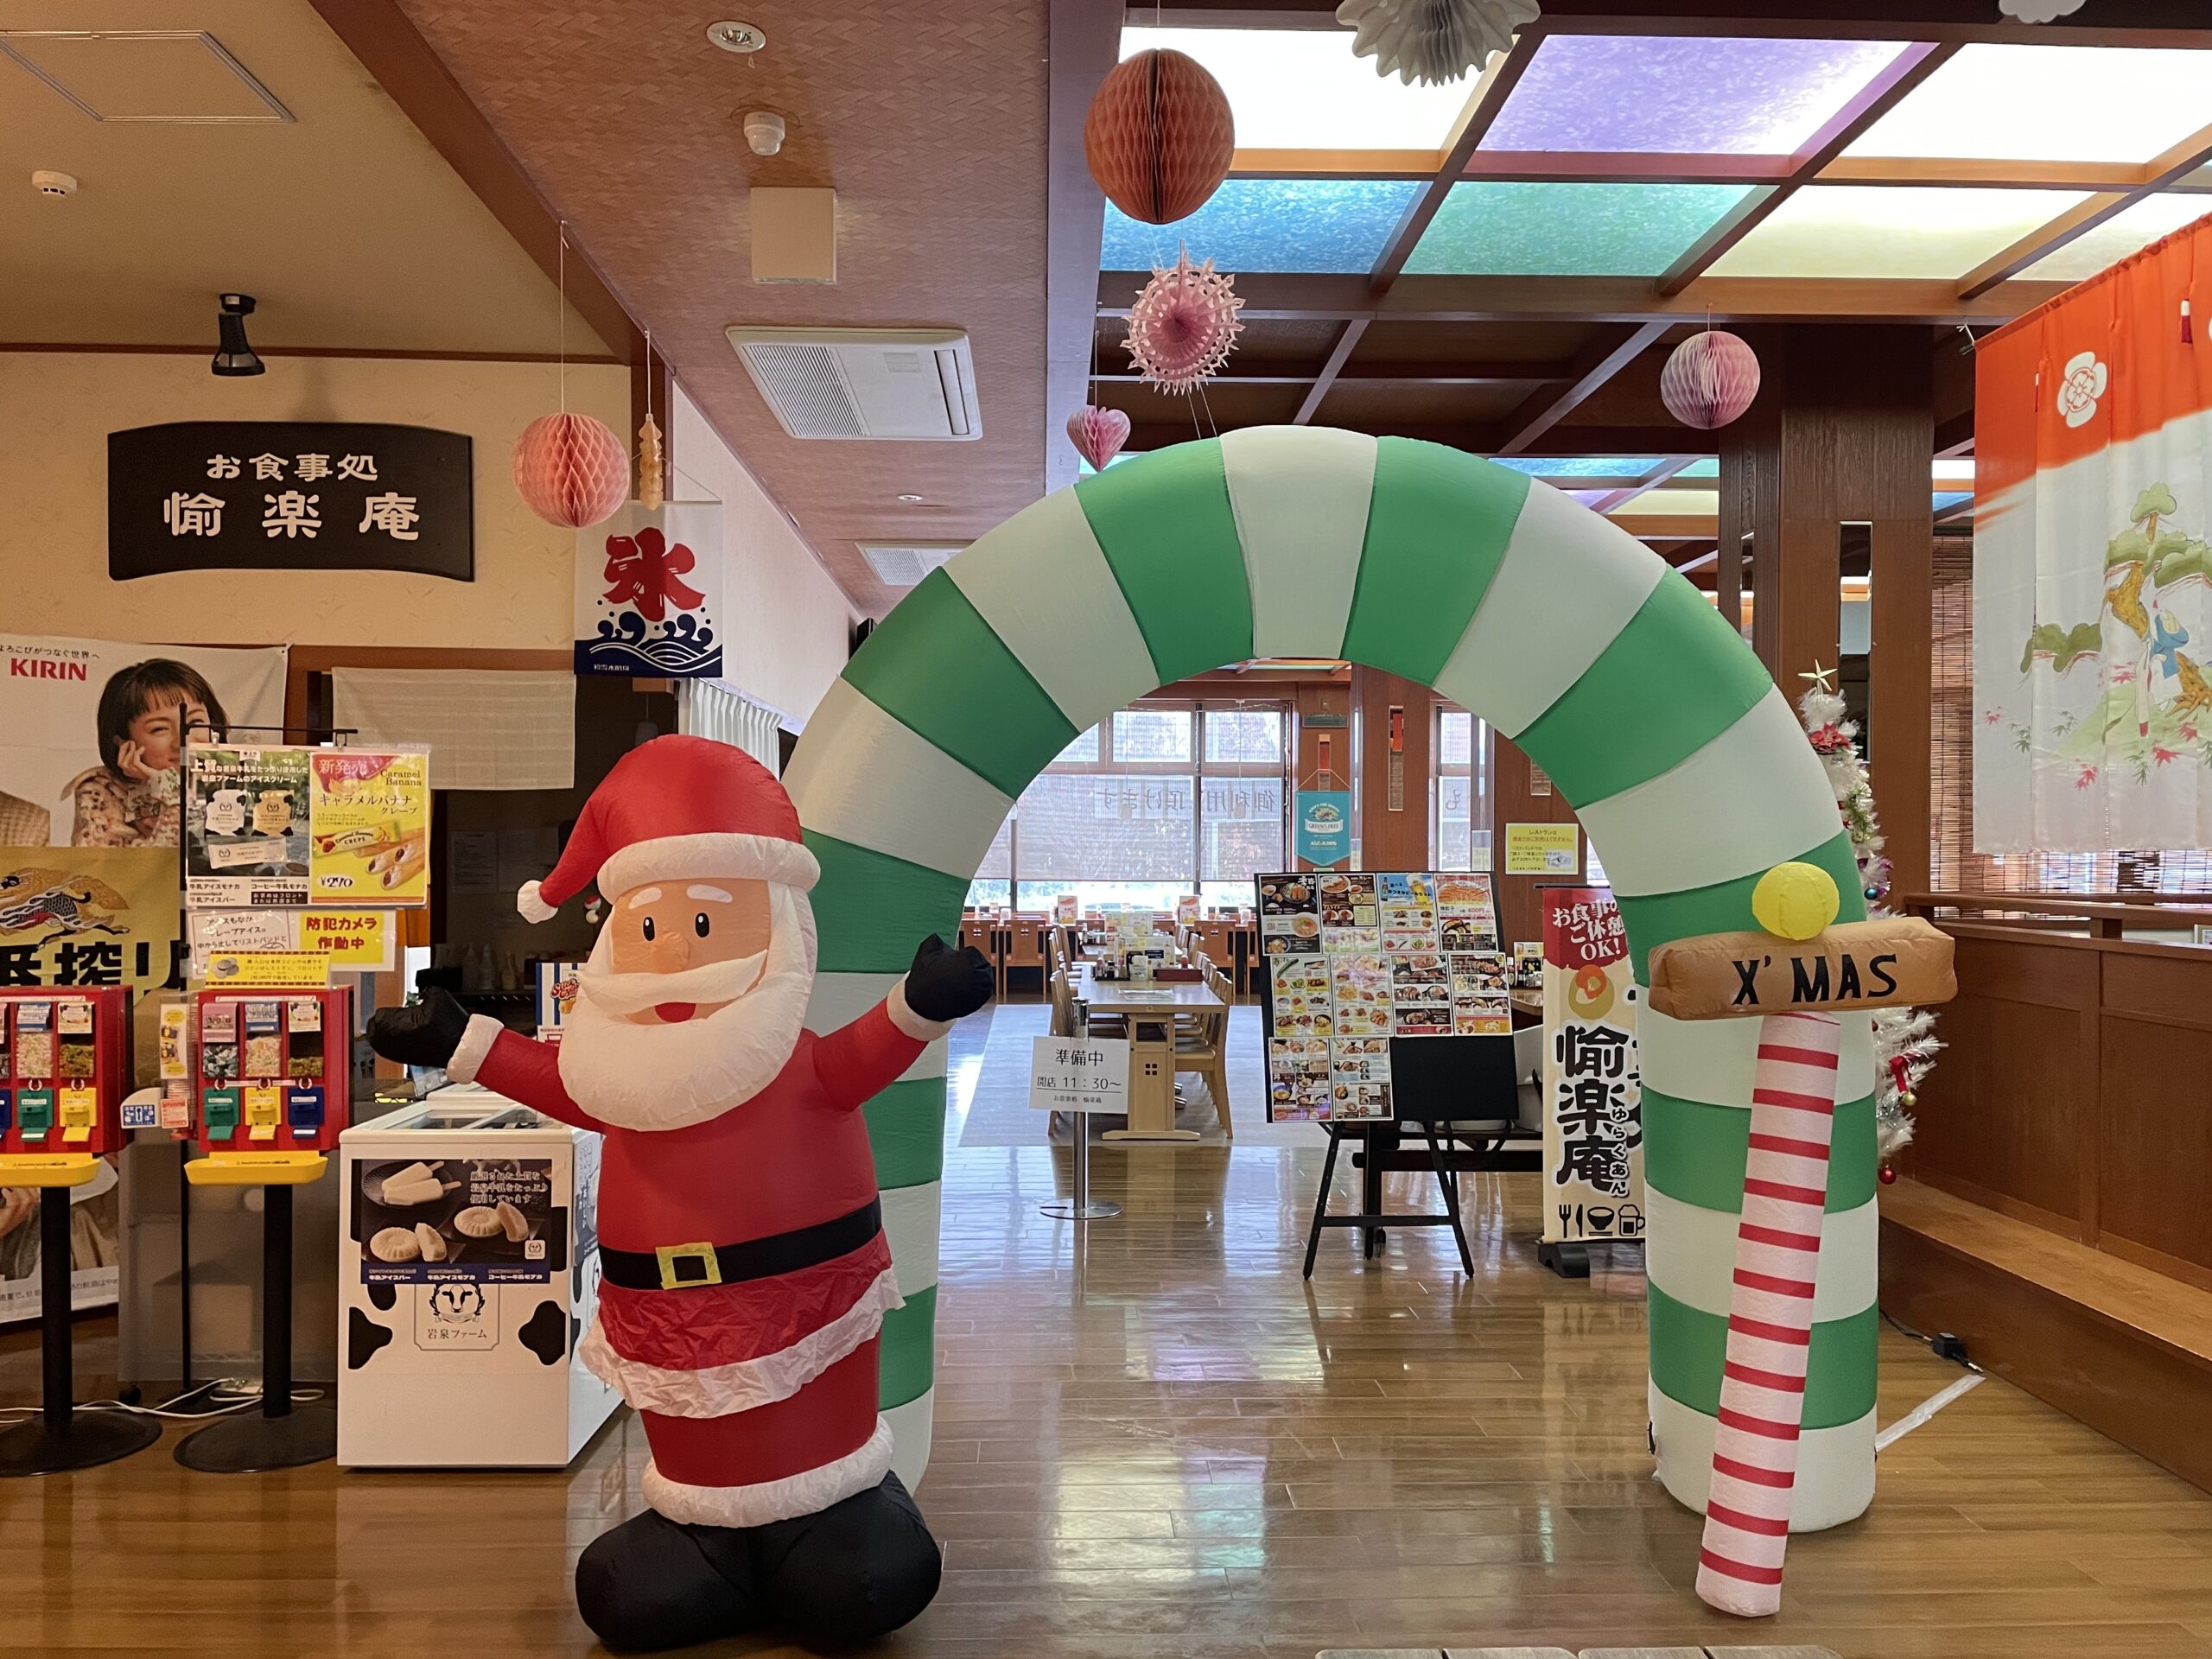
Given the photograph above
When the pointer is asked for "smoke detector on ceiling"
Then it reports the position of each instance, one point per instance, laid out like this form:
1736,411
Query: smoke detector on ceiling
49,183
913,384
903,564
764,130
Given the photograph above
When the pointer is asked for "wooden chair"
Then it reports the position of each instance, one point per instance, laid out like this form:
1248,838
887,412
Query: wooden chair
1202,1047
1212,942
1062,990
1024,953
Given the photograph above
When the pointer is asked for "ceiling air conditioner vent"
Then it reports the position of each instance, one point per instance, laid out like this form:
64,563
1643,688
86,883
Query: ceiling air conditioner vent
903,565
910,384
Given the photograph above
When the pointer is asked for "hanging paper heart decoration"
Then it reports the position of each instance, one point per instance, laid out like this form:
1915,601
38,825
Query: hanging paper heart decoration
1099,434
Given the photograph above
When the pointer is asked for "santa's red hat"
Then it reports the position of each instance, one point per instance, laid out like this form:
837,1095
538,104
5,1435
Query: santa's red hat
674,808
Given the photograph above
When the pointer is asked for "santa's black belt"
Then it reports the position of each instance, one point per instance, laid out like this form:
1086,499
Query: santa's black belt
690,1267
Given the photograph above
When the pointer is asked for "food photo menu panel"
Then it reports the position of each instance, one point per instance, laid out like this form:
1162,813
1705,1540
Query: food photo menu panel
1356,959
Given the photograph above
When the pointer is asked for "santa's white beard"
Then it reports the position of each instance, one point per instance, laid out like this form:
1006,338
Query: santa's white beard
667,1077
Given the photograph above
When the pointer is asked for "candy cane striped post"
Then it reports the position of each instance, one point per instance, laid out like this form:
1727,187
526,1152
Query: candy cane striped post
1770,1315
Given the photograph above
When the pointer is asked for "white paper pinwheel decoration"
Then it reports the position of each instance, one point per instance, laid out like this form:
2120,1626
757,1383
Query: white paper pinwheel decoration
1432,40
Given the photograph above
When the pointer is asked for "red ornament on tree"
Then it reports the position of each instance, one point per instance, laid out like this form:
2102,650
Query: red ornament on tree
1158,137
571,470
1710,379
1889,1175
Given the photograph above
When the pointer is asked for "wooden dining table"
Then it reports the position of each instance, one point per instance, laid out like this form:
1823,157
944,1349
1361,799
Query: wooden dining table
1150,1010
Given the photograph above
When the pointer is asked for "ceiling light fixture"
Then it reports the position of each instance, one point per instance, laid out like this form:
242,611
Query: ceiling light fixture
734,36
909,499
764,130
233,357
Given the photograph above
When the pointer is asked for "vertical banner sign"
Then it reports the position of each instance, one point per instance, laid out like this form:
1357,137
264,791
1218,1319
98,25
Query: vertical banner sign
1593,1119
649,592
2093,564
1323,834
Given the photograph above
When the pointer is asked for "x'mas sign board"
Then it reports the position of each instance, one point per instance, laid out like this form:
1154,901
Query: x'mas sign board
1897,962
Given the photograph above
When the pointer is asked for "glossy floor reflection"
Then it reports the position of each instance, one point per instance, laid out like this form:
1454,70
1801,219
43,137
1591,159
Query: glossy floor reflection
1153,1440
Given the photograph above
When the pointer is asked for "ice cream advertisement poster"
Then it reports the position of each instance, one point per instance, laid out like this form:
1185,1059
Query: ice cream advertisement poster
369,827
245,818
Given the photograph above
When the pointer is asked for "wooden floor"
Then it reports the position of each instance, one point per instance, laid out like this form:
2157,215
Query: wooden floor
1153,1440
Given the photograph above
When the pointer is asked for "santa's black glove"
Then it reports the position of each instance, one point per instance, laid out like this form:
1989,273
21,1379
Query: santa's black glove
422,1033
945,983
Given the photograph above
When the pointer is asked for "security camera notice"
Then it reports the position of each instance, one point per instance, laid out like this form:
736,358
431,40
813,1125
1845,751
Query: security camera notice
1079,1074
425,1221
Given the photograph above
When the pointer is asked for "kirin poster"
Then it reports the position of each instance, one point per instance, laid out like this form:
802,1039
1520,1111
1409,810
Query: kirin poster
649,593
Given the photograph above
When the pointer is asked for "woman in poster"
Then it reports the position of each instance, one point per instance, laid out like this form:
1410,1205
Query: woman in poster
147,710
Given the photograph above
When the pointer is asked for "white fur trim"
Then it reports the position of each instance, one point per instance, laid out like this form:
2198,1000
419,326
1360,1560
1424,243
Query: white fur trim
718,1390
475,1042
909,1022
672,858
808,1492
532,907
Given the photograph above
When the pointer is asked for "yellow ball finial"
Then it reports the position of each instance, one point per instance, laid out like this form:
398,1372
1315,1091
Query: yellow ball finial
1795,901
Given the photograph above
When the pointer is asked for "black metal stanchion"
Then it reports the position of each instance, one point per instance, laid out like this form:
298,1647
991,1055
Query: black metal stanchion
61,1437
280,1436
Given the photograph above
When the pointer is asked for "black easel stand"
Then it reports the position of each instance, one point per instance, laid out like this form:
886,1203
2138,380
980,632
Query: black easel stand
1567,1257
278,1436
61,1438
1371,1218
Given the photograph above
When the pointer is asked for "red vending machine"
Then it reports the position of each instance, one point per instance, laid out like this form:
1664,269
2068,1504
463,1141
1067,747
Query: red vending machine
65,1067
271,1069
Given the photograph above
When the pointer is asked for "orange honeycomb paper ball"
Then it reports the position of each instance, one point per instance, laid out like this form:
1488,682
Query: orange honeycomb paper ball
572,470
1158,137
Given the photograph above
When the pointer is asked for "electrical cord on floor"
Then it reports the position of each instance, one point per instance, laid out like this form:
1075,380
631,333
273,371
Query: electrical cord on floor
1943,1348
223,1397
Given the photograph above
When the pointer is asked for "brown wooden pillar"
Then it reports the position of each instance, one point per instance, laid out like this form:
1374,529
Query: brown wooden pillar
1833,462
1323,712
1394,821
1520,794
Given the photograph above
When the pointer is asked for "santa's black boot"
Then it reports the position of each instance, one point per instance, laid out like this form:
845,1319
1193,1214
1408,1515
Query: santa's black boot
858,1570
653,1583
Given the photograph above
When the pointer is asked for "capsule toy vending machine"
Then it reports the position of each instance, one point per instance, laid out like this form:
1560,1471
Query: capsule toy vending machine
270,1061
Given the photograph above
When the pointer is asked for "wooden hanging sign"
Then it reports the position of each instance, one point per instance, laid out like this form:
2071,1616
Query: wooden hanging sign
1896,961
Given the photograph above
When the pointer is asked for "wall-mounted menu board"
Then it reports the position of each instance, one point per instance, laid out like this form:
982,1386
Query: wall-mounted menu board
1356,959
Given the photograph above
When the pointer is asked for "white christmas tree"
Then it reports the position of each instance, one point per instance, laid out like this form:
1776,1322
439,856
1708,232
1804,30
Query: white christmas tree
1904,1040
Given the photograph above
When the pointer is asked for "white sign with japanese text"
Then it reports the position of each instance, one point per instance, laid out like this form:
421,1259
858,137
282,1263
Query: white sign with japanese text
1079,1074
649,592
1594,1095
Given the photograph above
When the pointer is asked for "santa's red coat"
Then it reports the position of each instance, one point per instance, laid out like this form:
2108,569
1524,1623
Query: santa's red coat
759,1397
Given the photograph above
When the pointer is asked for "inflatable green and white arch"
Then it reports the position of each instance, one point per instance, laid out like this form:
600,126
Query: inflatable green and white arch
1689,769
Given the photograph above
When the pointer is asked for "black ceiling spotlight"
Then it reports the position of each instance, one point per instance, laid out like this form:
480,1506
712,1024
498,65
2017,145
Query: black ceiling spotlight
234,356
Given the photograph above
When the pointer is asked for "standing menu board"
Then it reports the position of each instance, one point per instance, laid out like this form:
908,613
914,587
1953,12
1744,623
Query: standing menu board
1357,959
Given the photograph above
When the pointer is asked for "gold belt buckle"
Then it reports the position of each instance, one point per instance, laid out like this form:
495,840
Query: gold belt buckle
708,1270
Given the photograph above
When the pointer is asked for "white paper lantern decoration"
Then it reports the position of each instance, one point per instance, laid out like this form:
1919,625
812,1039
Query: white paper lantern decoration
1710,379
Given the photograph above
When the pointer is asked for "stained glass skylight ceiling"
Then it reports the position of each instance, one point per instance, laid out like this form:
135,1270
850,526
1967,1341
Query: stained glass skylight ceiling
2125,232
1289,225
1682,94
2049,104
1582,465
1837,230
1496,228
1303,89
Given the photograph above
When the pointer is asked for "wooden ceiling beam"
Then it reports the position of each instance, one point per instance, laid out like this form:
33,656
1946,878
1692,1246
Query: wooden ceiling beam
1612,350
1283,297
1337,357
2176,164
416,79
1897,81
2110,22
1499,76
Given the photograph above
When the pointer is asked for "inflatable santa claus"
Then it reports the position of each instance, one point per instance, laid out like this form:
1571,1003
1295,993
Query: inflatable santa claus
746,1272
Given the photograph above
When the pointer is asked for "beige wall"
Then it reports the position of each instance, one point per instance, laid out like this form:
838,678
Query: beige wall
56,409
786,624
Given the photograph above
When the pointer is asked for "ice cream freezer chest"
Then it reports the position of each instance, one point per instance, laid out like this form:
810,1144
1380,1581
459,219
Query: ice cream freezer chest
468,1272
